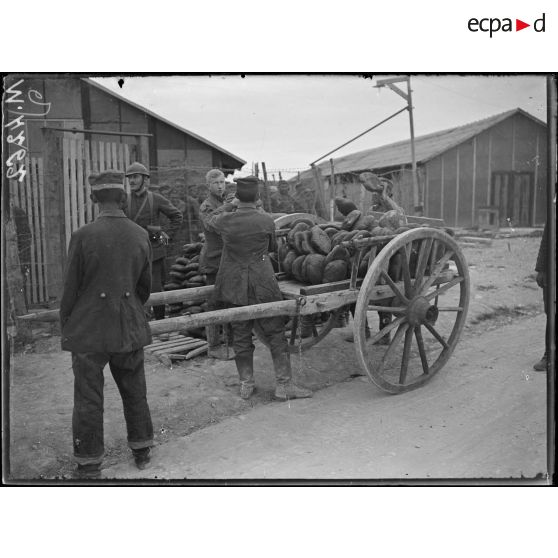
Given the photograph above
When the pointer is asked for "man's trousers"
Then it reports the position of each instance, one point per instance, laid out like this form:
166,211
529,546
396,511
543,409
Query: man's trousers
87,422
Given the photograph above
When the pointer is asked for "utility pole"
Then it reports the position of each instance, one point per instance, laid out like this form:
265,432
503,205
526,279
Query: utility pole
390,82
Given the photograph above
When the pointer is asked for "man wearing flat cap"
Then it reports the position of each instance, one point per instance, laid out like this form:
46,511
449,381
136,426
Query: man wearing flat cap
106,283
282,201
246,277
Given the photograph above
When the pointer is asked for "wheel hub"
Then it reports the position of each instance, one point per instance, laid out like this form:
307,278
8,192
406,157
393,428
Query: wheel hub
421,311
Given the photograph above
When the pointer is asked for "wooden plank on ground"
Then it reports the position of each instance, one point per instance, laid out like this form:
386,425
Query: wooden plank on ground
180,348
184,341
197,352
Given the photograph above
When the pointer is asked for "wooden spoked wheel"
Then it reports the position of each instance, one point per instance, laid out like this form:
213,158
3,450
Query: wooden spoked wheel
419,285
305,331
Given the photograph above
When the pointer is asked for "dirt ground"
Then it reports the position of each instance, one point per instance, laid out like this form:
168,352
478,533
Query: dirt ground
194,395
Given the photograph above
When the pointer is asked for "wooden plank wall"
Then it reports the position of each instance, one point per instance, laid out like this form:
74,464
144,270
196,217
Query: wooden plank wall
30,197
79,159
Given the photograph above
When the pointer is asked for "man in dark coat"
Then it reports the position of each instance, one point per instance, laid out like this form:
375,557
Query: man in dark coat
541,267
210,255
246,277
107,281
145,208
282,201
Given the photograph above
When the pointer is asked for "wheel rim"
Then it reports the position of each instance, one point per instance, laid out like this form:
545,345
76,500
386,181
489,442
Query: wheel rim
317,327
428,304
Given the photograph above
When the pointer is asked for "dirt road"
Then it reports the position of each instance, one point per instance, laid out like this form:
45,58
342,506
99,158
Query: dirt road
481,418
456,421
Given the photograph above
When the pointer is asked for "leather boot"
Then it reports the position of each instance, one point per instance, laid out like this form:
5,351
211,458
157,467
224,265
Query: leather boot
245,368
215,349
542,365
142,458
91,471
286,388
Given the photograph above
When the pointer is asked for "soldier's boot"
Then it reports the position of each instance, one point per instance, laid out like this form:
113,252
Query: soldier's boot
341,319
245,368
286,388
307,324
542,365
91,471
215,349
142,458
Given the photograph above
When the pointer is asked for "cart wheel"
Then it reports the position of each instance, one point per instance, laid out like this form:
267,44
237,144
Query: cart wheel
315,327
424,300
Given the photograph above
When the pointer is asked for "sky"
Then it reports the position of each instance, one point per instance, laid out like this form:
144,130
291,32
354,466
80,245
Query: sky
288,121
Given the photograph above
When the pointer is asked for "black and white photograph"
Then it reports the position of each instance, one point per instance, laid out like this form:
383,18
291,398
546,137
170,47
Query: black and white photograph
278,278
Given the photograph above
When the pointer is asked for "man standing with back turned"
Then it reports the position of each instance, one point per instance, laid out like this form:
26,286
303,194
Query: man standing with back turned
246,277
144,208
106,283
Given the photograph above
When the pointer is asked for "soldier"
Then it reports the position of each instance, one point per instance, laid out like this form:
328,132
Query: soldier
282,201
541,267
107,281
304,199
246,277
144,208
210,256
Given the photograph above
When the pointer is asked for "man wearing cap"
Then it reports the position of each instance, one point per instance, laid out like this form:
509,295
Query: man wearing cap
282,201
145,208
246,277
106,283
303,199
210,255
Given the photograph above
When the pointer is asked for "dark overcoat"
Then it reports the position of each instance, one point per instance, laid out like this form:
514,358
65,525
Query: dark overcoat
245,273
106,283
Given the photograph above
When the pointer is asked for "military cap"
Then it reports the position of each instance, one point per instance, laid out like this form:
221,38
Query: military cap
108,179
282,183
248,184
137,168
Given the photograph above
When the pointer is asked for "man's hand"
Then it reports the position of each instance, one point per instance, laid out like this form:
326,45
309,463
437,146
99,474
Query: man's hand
541,279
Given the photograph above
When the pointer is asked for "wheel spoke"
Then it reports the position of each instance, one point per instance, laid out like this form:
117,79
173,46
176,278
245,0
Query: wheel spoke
389,309
425,248
422,352
405,256
385,330
443,288
393,286
406,353
431,329
438,268
395,341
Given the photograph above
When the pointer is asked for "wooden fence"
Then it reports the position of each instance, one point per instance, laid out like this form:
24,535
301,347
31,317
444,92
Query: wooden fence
29,196
80,158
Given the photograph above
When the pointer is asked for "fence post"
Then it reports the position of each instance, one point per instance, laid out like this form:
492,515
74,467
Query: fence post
321,209
55,257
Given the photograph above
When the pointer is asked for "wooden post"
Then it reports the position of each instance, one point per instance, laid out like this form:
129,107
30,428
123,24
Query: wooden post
54,211
280,177
267,200
332,192
320,206
256,170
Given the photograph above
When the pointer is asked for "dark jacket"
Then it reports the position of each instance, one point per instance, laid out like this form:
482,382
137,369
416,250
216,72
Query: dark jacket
106,283
213,246
282,203
150,215
542,257
245,274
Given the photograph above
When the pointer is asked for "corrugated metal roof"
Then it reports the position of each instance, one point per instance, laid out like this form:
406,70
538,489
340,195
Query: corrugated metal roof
426,147
158,117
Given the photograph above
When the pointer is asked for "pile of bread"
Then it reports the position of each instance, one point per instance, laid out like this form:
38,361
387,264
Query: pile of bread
313,253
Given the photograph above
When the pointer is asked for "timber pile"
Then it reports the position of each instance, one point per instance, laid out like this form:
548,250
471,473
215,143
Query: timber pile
176,346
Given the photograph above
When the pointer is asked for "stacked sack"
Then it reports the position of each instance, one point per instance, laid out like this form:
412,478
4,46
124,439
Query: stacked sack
313,254
184,274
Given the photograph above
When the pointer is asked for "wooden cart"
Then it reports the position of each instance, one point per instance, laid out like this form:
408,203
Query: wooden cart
419,278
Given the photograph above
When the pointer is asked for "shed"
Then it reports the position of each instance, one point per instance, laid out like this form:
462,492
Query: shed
498,163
